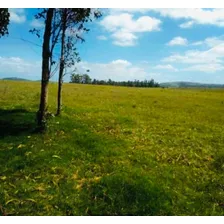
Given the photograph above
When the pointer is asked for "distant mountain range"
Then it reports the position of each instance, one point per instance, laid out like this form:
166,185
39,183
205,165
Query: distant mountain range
190,85
15,79
21,79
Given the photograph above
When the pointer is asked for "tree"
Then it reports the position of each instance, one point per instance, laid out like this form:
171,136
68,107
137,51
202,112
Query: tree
86,79
72,21
83,79
61,70
41,114
75,78
151,83
4,21
94,82
57,22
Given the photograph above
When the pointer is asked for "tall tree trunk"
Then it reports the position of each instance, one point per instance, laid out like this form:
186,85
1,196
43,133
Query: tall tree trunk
62,65
41,114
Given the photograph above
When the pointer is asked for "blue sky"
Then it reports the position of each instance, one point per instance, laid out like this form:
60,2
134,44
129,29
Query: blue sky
127,44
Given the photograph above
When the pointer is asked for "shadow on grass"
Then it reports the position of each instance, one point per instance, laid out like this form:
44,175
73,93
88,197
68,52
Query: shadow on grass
118,189
127,193
14,122
121,189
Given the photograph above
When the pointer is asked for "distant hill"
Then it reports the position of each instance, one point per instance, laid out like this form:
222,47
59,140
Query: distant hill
20,79
15,79
190,85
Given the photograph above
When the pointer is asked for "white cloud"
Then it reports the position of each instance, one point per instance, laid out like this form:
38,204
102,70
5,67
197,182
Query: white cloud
198,43
37,23
210,41
17,66
165,67
124,38
213,55
101,37
121,62
192,57
195,15
208,68
191,15
17,15
124,28
125,21
178,41
118,70
211,60
186,25
130,10
216,52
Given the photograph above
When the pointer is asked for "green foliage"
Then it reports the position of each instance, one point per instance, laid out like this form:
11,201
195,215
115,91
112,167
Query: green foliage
115,151
4,21
85,79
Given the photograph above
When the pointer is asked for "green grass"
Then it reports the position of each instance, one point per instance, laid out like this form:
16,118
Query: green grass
114,151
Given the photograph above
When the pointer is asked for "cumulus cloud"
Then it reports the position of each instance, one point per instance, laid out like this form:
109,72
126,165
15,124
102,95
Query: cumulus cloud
121,62
186,25
124,28
125,21
17,15
210,60
208,68
210,41
195,16
213,55
124,38
165,67
17,66
119,70
178,41
129,10
191,15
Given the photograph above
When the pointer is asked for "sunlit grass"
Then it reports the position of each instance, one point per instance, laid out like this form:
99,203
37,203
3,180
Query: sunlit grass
114,151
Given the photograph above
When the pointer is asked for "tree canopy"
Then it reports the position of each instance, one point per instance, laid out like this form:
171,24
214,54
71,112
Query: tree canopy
4,21
85,79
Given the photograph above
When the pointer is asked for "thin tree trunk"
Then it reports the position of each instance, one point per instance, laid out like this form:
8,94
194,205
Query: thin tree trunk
62,65
59,100
41,118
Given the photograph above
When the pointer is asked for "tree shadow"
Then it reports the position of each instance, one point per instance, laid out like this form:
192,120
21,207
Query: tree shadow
118,191
127,193
15,122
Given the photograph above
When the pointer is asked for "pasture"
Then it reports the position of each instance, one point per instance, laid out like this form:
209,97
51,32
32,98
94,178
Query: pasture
114,151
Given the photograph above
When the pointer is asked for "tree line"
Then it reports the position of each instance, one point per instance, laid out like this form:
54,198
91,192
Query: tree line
85,79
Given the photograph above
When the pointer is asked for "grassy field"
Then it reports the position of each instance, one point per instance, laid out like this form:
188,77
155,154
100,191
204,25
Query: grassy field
114,151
